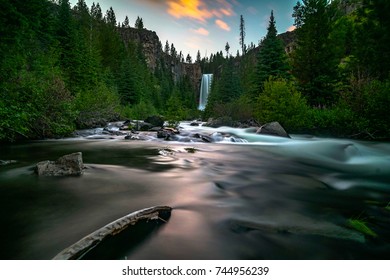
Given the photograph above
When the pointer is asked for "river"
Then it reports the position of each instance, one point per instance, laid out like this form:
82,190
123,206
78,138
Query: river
260,197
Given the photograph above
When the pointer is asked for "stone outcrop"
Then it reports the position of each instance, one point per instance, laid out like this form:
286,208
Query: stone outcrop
190,70
149,40
68,165
274,129
152,49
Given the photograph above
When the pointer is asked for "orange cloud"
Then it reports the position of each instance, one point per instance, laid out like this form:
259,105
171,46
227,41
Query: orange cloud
291,28
226,8
194,9
199,9
201,31
223,25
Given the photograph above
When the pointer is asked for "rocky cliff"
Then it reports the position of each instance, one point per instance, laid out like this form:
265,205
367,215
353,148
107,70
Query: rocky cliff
152,48
153,52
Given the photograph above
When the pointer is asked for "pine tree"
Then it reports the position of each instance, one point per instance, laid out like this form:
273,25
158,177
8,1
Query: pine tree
314,62
126,22
173,51
167,49
198,58
242,35
81,7
96,11
139,24
110,17
373,38
271,59
189,58
227,48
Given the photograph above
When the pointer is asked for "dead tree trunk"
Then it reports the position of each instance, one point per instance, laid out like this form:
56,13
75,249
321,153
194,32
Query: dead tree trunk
81,247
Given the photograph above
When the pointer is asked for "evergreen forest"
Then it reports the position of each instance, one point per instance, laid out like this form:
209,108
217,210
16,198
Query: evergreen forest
64,67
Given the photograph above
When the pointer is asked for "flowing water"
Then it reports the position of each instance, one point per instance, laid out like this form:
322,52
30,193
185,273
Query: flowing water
245,197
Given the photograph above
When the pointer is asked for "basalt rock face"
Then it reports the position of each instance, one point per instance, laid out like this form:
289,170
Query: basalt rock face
190,70
149,40
152,49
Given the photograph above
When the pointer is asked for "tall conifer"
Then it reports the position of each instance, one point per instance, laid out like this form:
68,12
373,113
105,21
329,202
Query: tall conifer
314,61
271,59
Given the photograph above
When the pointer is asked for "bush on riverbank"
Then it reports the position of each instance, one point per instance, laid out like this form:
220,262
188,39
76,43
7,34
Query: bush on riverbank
281,101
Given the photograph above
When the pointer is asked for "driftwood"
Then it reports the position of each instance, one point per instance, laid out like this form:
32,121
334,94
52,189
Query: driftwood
84,245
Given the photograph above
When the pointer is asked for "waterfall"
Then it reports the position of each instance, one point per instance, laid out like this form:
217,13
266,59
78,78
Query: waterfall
205,87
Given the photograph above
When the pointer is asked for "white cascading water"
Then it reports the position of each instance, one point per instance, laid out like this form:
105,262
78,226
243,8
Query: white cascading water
205,87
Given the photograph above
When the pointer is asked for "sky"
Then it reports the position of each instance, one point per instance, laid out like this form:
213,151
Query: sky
203,25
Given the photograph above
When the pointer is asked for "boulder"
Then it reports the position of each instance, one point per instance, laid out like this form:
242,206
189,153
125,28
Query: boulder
274,129
144,126
169,134
203,137
71,164
155,121
221,121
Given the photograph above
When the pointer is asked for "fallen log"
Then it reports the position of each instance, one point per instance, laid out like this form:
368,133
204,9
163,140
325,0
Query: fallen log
84,245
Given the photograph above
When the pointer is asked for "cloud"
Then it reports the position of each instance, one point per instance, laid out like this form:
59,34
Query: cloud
200,10
153,3
223,25
291,28
196,9
201,31
224,9
252,10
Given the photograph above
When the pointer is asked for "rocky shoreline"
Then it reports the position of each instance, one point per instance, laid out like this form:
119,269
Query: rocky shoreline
154,127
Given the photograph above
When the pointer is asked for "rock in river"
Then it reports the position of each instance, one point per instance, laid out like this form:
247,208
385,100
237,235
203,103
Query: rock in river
273,128
66,165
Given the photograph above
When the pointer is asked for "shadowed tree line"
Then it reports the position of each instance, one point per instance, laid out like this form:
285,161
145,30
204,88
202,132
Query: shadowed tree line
64,67
334,80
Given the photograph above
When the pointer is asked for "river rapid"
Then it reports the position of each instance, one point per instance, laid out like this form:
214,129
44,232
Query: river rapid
246,196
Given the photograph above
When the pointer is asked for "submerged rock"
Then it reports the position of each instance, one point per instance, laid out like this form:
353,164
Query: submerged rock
168,134
273,128
71,164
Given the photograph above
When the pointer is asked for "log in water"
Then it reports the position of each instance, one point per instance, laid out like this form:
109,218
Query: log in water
89,242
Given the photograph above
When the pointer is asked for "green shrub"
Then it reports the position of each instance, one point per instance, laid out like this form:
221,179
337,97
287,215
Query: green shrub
138,111
97,105
339,120
281,101
36,103
366,99
240,109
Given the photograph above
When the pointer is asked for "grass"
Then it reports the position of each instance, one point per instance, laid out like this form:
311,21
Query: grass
362,227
